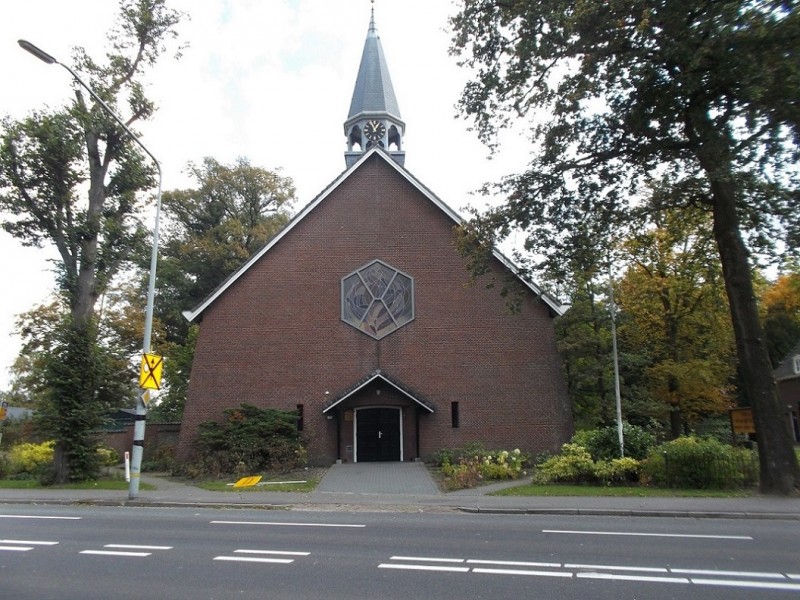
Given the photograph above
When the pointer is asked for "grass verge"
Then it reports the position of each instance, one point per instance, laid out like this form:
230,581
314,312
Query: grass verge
102,484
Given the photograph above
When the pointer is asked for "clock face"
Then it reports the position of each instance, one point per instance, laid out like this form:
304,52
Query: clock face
374,130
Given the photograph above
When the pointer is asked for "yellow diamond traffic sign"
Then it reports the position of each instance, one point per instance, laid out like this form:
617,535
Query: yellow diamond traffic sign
150,375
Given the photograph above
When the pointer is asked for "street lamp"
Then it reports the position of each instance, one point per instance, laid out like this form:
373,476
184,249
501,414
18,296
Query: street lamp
141,406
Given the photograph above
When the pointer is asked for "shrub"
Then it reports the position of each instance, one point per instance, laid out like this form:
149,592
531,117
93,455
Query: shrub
702,463
573,465
107,456
250,440
618,470
28,459
468,466
603,443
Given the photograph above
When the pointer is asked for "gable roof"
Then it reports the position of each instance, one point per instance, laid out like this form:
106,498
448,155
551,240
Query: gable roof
378,375
196,312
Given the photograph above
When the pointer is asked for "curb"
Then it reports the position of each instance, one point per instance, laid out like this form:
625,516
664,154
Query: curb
399,507
604,512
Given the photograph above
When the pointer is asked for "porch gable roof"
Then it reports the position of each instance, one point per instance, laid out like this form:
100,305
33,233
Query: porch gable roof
377,375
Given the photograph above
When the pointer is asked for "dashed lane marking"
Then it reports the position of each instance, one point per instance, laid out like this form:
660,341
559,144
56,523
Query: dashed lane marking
263,556
278,524
741,579
636,534
22,545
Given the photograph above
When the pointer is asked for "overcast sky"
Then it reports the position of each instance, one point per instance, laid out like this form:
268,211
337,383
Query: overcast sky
269,80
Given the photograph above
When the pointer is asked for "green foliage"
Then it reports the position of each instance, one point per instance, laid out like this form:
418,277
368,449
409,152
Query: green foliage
617,471
107,456
75,404
573,465
692,462
27,461
249,440
603,444
73,178
467,467
637,88
214,228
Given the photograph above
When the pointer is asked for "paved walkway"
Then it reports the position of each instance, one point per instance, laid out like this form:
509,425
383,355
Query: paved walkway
394,478
408,488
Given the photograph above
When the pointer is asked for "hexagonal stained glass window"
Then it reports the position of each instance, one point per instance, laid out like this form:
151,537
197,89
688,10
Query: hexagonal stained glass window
377,299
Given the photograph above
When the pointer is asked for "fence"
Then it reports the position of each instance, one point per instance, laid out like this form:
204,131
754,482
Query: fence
737,471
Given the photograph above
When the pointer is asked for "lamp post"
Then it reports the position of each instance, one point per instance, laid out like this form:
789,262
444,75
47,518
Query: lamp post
141,406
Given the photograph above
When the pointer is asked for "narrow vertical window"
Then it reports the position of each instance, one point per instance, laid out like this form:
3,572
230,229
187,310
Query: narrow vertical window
299,417
454,414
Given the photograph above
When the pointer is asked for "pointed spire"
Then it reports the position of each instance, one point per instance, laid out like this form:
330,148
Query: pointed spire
373,91
374,101
372,29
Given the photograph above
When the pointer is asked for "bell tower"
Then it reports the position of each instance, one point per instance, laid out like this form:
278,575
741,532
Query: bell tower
374,117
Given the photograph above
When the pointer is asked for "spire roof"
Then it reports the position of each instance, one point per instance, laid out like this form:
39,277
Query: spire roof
373,92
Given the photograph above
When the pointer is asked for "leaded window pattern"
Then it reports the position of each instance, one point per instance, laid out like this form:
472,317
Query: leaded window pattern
377,299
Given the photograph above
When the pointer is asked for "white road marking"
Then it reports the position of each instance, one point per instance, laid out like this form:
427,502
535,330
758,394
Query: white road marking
39,517
263,559
115,553
133,547
428,559
669,535
618,577
424,568
279,552
606,572
727,573
524,572
616,568
762,585
284,524
512,563
28,543
16,548
283,561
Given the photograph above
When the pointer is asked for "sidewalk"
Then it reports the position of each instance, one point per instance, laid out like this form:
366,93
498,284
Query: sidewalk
172,493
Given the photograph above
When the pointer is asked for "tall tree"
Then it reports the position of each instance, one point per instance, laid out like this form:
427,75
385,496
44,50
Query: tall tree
678,316
584,342
47,161
210,231
780,306
703,92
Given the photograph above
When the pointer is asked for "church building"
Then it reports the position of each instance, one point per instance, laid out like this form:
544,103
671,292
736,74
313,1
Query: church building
360,316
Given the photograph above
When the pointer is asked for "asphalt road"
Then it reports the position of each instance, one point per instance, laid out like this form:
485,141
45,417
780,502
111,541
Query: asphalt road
64,553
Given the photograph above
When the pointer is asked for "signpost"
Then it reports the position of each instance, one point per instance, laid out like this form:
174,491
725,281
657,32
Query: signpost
742,421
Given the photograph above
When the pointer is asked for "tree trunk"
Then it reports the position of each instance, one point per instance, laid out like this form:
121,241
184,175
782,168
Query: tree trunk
780,473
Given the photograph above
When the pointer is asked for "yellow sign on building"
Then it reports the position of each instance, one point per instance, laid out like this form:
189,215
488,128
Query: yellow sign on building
150,375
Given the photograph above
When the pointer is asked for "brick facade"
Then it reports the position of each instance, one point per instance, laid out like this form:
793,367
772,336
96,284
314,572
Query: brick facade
275,338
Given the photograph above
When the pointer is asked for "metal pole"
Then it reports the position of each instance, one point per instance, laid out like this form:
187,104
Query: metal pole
616,361
141,404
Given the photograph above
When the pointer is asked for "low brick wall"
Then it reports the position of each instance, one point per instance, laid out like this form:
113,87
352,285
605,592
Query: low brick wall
158,436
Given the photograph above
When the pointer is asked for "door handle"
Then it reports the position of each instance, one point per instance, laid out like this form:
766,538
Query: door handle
380,434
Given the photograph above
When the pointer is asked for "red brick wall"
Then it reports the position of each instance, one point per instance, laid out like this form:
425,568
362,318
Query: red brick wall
158,436
275,337
789,392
